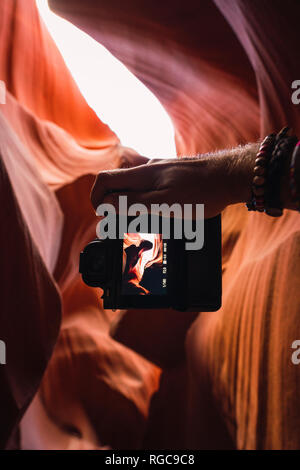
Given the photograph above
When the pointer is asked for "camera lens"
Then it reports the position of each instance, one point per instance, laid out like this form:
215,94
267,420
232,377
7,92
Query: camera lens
96,262
93,264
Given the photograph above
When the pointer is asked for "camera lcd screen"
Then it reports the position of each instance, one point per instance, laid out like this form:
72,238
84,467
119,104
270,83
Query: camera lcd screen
144,267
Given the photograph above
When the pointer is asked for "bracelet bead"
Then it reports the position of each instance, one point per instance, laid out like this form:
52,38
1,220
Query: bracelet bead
258,191
259,180
259,170
274,211
261,162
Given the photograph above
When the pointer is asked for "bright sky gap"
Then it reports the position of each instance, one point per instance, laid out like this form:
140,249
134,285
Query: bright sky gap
111,90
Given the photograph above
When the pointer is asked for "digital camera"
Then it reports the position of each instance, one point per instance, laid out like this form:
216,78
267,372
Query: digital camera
148,270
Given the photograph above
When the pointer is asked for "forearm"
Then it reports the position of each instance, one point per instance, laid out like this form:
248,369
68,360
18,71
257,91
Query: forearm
239,173
239,164
216,180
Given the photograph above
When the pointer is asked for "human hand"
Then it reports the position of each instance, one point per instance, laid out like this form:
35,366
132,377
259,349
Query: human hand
130,158
215,180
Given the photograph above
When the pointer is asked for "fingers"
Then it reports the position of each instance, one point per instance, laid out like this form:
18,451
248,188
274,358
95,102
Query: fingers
156,160
130,159
133,179
136,160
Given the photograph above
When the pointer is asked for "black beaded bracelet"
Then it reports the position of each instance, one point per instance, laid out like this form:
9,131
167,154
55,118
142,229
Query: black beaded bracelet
283,148
294,182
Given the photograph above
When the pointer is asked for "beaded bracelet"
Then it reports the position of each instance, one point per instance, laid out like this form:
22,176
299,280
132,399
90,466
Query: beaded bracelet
293,183
283,149
263,156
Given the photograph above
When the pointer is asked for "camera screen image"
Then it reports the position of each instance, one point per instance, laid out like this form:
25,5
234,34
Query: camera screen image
151,271
144,264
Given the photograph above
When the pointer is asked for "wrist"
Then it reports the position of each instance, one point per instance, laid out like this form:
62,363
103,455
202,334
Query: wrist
241,166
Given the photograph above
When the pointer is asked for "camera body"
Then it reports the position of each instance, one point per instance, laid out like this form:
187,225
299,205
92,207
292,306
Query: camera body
146,270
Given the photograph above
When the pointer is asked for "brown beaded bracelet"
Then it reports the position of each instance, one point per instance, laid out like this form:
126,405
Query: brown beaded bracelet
263,156
295,190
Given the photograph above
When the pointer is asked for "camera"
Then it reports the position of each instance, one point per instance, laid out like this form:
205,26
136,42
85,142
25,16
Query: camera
150,270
